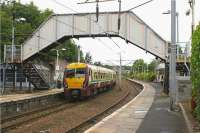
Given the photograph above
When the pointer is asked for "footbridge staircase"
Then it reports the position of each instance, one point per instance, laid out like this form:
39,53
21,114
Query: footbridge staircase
37,75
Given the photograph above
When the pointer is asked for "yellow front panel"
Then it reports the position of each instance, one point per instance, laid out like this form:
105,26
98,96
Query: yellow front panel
76,65
75,83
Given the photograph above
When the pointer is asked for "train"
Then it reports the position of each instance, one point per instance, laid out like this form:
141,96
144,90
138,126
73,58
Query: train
83,80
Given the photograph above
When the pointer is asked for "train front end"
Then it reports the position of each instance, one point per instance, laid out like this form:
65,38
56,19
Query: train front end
75,78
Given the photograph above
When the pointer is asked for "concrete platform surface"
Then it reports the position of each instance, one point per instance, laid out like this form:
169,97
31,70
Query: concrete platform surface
147,113
17,97
128,118
160,119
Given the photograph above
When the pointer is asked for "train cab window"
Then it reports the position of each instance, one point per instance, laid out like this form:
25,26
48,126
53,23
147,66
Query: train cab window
80,72
69,73
75,73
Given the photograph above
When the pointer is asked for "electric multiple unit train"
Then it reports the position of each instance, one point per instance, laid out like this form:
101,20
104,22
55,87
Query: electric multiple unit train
84,80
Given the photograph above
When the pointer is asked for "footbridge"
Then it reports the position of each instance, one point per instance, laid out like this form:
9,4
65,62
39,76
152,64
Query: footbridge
60,27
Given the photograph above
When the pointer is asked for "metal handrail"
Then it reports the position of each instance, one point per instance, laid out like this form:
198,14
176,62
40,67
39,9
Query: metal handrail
41,72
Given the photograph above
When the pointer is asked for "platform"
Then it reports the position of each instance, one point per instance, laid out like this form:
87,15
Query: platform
18,97
128,118
20,103
146,113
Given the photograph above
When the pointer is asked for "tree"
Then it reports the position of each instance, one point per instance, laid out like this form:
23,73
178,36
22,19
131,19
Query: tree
195,71
88,58
30,14
152,66
139,65
32,18
98,63
70,54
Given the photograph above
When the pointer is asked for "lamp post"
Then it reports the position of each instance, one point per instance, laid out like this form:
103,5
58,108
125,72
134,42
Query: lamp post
13,31
120,71
57,68
177,28
172,61
192,4
78,54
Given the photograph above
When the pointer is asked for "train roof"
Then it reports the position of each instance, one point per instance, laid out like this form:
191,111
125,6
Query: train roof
93,67
76,65
102,69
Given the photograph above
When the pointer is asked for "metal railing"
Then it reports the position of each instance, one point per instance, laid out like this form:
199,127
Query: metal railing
43,71
185,55
182,57
12,54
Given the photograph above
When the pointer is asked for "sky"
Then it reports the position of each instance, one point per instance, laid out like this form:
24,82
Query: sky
103,49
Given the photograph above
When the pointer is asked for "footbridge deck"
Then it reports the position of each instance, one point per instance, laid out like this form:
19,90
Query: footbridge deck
62,26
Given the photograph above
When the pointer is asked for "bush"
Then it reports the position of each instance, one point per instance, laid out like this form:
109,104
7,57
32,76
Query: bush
195,70
150,76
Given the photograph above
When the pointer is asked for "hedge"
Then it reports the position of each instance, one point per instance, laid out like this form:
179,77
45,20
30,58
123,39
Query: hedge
195,70
150,76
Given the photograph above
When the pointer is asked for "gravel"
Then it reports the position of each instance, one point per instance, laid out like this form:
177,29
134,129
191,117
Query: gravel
64,120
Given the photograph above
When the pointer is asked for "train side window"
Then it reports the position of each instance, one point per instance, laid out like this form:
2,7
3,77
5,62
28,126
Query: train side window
90,74
96,75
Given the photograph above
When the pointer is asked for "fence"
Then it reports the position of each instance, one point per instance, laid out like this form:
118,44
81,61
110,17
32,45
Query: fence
12,53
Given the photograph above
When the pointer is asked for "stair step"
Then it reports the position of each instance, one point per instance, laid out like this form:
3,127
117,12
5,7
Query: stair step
34,77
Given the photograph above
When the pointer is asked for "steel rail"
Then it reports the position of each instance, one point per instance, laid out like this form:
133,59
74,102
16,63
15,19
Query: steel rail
91,119
40,113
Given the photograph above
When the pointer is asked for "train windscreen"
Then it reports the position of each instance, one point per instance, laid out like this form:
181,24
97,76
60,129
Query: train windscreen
75,73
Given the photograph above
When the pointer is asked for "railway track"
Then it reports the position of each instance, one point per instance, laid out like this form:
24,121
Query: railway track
93,118
27,117
96,118
78,122
15,121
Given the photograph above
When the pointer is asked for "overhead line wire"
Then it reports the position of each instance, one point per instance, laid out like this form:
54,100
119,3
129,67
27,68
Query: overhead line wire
115,43
105,44
140,5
